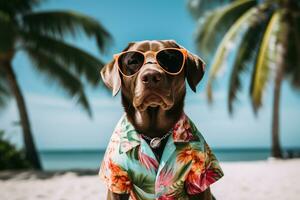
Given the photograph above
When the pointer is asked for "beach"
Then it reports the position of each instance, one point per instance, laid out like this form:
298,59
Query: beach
259,180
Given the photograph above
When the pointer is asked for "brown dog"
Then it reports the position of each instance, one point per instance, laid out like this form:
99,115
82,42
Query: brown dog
153,99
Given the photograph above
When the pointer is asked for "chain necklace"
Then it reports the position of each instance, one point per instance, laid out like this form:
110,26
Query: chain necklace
155,142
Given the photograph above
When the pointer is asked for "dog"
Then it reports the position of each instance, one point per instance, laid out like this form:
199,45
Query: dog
154,136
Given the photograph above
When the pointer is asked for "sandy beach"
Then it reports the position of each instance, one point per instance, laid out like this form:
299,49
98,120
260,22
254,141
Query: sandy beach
259,180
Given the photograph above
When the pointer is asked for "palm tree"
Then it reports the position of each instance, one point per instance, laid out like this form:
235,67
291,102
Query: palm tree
40,35
260,37
199,7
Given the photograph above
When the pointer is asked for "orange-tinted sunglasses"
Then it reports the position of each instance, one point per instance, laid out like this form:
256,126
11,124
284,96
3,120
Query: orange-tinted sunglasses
171,60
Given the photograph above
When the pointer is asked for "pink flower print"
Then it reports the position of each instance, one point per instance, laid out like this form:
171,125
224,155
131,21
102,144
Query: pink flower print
165,179
147,161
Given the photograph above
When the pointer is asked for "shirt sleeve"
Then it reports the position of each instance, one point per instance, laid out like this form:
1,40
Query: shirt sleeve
202,175
115,177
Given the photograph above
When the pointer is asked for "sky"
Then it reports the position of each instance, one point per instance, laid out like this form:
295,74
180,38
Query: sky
57,122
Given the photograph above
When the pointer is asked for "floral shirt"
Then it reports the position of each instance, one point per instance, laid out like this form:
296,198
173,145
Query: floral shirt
187,165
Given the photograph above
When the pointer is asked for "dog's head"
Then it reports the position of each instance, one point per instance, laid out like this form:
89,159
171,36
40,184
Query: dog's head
152,90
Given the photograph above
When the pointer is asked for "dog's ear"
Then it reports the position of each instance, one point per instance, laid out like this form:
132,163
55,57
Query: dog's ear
194,70
111,77
194,66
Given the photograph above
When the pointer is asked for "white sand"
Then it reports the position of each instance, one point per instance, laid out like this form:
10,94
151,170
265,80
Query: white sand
265,180
262,180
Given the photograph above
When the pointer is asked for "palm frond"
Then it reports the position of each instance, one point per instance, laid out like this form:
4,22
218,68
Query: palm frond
54,70
13,7
7,33
202,25
293,51
200,7
5,93
225,47
58,23
266,60
245,56
72,57
219,21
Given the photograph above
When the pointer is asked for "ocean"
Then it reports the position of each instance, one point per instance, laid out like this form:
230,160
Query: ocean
91,159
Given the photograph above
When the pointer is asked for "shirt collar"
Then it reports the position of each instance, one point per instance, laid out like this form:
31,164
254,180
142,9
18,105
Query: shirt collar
130,138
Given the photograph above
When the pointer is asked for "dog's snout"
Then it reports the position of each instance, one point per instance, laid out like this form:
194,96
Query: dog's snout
151,78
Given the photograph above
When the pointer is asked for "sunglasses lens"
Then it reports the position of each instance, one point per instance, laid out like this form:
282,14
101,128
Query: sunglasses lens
130,62
170,59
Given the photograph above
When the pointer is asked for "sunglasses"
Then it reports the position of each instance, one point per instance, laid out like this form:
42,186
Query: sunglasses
171,60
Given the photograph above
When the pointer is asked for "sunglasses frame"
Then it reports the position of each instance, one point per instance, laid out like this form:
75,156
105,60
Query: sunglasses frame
183,51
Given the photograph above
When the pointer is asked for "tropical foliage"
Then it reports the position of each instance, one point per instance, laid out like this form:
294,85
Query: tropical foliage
263,37
10,157
41,36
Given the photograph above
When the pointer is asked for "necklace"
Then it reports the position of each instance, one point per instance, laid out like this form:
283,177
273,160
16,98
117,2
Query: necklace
155,142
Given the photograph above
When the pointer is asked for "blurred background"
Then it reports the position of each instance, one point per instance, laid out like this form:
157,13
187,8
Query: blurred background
56,114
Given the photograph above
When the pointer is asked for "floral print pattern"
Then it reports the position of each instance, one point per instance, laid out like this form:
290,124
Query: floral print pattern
147,161
182,131
119,180
187,165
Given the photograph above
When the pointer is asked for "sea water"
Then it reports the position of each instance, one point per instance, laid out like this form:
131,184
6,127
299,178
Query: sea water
91,159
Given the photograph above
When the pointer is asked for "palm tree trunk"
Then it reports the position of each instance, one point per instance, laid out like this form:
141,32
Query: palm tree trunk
276,148
30,149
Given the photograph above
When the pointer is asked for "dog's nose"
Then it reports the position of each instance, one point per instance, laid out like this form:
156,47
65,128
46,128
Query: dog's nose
151,78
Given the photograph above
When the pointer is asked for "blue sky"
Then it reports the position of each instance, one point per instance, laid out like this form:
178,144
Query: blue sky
58,123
